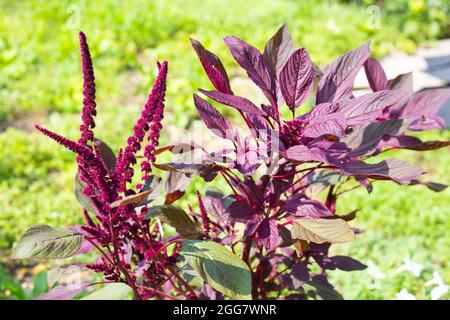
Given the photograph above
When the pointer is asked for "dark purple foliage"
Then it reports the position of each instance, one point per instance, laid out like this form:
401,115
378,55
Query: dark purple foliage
296,78
274,193
337,81
252,61
213,68
375,75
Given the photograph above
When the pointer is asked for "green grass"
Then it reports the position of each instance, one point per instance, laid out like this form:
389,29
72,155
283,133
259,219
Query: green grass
40,81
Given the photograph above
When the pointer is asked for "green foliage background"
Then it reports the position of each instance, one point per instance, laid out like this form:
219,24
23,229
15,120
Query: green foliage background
40,81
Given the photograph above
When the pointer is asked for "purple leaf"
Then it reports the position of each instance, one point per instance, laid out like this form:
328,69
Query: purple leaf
324,261
300,271
278,49
369,106
241,211
364,139
302,153
330,148
247,162
252,191
393,169
400,141
324,289
402,82
286,237
434,186
429,145
322,248
268,233
212,118
425,103
237,102
333,124
269,110
347,264
252,61
252,227
214,206
337,81
422,146
323,109
106,154
414,143
86,247
259,124
429,122
63,292
375,75
209,293
296,78
213,67
300,206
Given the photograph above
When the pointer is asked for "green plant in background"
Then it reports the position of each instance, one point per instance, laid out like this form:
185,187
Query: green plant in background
418,20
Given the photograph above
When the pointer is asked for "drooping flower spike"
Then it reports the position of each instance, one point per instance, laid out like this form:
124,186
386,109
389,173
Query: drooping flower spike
150,119
89,105
112,220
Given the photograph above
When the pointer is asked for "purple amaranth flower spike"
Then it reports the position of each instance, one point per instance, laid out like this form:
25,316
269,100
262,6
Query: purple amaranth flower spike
156,125
90,164
89,104
87,154
116,226
204,214
150,118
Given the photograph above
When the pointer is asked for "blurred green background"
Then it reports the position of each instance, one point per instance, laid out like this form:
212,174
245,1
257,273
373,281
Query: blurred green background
40,81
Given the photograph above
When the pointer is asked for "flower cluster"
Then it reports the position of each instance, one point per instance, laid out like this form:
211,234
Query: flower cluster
116,222
89,104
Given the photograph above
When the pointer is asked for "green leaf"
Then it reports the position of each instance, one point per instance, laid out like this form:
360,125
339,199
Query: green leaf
111,291
84,200
322,230
219,267
40,285
177,218
45,242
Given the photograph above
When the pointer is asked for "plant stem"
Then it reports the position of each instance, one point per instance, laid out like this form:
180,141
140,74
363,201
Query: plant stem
246,258
119,265
99,250
182,281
